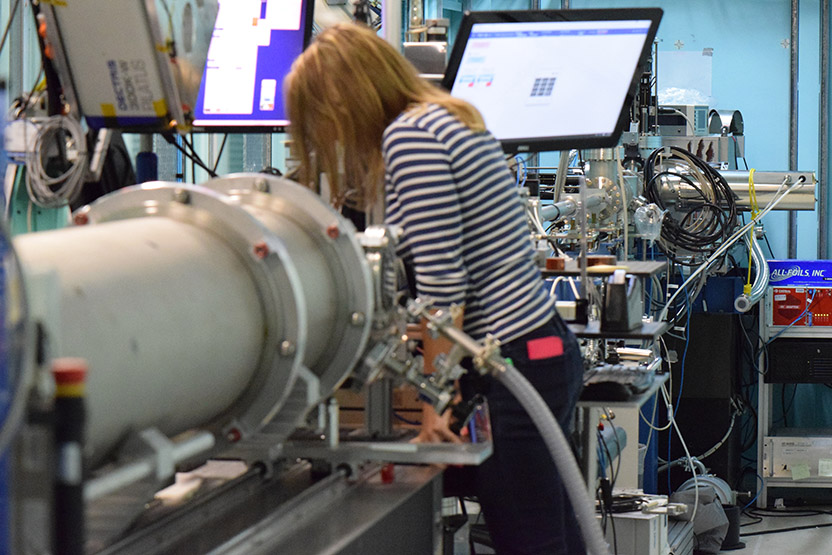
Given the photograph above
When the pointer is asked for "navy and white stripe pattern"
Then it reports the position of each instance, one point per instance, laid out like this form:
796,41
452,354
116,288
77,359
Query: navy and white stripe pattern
464,230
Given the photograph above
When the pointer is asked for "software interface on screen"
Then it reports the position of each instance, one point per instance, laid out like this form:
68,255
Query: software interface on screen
252,49
550,79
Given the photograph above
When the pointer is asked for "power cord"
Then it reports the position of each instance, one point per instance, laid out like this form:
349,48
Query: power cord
709,220
60,144
604,495
188,153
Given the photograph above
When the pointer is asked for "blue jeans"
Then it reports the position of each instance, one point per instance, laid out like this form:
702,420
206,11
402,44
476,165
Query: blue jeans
520,492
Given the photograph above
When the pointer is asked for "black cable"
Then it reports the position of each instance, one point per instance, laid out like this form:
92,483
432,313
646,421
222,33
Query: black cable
195,158
757,347
609,457
189,145
735,266
786,513
465,514
361,13
792,529
770,250
600,500
736,147
618,443
607,495
614,534
55,102
791,404
715,218
605,505
746,445
783,405
738,482
406,420
171,140
757,520
219,154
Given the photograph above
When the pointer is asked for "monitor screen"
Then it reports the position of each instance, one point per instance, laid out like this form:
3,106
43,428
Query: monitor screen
552,79
252,49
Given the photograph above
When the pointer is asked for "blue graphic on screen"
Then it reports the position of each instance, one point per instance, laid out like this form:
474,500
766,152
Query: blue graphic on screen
252,50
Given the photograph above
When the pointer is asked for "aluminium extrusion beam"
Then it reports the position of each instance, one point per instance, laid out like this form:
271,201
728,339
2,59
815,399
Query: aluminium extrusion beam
793,114
293,513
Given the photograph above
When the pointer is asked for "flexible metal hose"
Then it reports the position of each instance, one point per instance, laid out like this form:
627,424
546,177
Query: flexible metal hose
744,302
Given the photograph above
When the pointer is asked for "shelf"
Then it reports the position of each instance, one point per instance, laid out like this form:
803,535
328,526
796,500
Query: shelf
649,331
636,401
397,452
640,268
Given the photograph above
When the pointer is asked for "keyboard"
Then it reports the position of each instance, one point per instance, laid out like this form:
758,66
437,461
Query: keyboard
616,382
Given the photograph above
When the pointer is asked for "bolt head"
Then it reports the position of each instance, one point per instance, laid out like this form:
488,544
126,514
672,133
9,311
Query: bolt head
357,318
234,435
388,473
261,185
81,219
182,196
261,250
287,348
333,232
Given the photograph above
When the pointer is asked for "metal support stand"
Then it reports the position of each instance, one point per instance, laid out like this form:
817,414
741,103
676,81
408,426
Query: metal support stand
378,408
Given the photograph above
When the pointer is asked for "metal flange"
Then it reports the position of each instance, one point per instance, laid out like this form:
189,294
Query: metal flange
267,259
335,277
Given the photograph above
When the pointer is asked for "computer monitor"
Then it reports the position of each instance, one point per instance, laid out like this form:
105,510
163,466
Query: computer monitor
552,79
252,50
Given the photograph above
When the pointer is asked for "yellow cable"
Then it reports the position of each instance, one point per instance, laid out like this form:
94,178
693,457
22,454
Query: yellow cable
752,193
752,196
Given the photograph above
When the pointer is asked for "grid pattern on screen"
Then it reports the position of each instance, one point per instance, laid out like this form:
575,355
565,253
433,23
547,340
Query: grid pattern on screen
543,86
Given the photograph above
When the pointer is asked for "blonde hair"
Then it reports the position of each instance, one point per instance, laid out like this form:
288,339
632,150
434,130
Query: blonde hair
341,94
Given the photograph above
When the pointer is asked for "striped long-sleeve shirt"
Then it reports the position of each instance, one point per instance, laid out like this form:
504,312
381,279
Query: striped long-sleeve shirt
464,231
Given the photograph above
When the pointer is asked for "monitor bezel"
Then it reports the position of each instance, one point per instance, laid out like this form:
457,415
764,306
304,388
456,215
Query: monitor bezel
560,142
223,126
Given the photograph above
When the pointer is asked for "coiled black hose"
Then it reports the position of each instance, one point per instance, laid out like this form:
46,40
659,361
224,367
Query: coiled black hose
691,234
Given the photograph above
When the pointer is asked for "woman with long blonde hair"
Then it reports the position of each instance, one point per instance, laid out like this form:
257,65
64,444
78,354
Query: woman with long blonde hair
361,115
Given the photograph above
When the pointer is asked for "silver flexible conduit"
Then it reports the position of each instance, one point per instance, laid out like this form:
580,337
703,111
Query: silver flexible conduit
744,302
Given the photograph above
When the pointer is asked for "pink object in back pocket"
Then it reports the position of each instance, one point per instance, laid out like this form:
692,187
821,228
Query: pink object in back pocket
545,347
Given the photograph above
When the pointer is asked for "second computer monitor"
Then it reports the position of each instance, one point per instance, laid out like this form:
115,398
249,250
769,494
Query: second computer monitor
552,79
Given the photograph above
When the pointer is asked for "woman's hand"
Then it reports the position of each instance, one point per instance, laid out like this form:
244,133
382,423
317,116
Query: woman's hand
435,428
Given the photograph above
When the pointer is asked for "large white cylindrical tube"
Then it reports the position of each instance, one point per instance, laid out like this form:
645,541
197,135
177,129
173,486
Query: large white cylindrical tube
224,307
167,315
